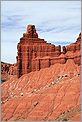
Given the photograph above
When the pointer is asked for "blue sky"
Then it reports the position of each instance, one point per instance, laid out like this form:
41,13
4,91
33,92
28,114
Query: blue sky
57,22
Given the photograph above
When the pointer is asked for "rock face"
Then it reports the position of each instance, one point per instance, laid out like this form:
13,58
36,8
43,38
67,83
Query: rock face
32,49
35,53
49,94
7,70
4,71
73,51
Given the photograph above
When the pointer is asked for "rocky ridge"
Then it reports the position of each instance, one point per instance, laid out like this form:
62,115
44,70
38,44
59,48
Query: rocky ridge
49,94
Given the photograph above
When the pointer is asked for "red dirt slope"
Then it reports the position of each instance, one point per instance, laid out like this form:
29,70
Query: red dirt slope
49,94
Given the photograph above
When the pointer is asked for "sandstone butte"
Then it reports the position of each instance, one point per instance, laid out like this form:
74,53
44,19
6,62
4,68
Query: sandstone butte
47,85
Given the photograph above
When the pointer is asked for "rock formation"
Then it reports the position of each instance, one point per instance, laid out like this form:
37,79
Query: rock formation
7,70
4,71
52,91
35,53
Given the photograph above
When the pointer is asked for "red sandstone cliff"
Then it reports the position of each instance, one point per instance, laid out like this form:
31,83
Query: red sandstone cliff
35,53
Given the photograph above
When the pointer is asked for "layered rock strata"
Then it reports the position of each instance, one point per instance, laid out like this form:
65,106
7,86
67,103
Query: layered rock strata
35,53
